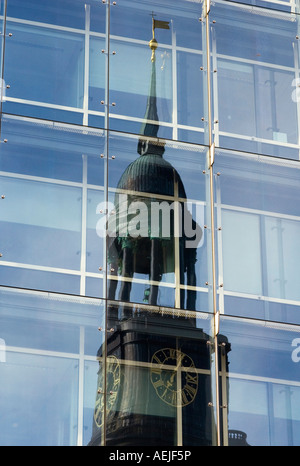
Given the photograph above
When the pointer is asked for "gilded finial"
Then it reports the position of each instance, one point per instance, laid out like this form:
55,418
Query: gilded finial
153,44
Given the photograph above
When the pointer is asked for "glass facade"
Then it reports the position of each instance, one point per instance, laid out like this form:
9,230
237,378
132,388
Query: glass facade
150,223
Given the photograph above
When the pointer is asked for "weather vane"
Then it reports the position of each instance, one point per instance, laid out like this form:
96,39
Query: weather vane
156,24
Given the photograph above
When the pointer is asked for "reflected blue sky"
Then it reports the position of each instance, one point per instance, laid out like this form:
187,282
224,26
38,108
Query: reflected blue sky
54,173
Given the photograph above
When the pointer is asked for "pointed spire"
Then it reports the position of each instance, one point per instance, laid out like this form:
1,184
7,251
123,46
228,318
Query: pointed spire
149,127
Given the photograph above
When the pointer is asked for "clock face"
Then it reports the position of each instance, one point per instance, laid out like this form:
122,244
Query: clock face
112,384
174,377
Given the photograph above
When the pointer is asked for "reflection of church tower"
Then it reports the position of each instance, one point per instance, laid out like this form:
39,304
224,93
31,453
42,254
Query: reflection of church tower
150,173
157,388
158,383
237,438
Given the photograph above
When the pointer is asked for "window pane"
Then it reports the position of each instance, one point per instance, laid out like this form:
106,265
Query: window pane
45,150
52,70
258,235
282,5
190,91
95,241
68,13
38,233
48,216
53,406
242,256
44,340
2,9
157,245
263,392
166,355
130,75
97,72
283,258
175,63
254,56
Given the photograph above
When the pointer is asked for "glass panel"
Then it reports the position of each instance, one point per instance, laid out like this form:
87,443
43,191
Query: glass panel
36,278
241,239
52,63
2,14
258,219
67,13
255,56
97,81
64,13
43,341
130,80
47,233
282,5
95,216
97,13
44,150
156,239
93,403
161,68
166,355
190,96
283,258
263,393
53,405
48,207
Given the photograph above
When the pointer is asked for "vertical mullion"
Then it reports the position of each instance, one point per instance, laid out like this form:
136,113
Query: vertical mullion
86,65
224,396
106,158
2,61
80,387
177,233
215,88
216,315
83,226
106,135
219,244
297,83
174,88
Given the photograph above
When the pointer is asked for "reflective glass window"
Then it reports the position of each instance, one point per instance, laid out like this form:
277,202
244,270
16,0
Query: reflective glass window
36,277
157,245
263,393
52,179
190,106
130,80
67,13
258,235
36,233
282,5
174,56
46,150
255,59
97,79
93,408
52,63
2,13
45,342
52,403
95,254
166,355
242,252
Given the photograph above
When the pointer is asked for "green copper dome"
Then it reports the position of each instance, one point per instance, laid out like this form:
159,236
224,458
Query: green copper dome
152,174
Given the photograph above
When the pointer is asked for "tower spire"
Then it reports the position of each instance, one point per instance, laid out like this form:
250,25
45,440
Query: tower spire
149,127
153,42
